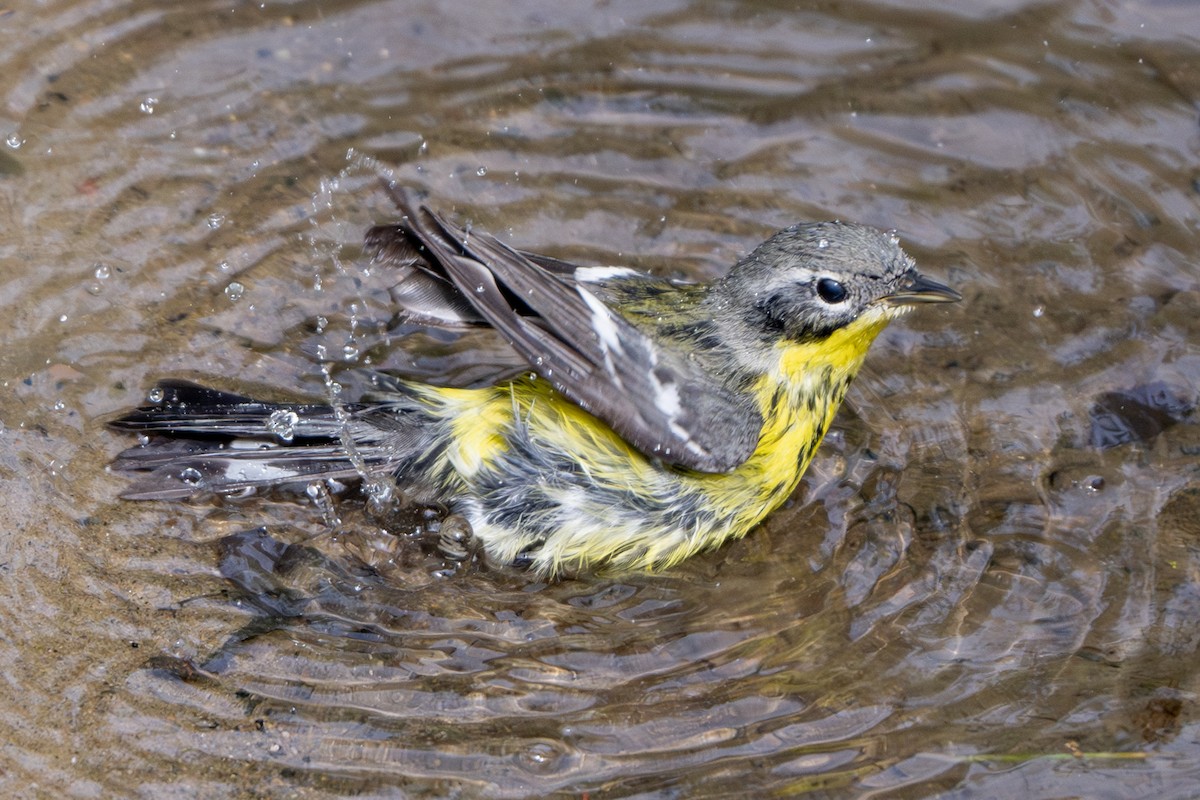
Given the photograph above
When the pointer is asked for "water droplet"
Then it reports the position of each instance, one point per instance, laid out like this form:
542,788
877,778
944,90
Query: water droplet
234,291
103,272
423,149
822,243
282,423
1039,311
322,352
479,289
224,266
63,318
59,405
156,395
215,221
190,476
541,757
350,351
481,171
14,141
322,323
147,105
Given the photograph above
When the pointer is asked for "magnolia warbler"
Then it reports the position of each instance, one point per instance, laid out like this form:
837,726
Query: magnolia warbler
631,422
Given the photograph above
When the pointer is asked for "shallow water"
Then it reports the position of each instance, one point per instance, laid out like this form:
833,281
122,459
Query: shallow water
988,584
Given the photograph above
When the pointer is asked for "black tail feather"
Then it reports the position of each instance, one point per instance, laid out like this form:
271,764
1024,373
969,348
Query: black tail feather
189,408
205,440
231,471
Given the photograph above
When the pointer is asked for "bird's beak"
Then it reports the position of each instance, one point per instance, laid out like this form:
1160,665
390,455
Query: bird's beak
919,289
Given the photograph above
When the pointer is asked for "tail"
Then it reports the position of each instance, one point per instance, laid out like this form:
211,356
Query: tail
204,440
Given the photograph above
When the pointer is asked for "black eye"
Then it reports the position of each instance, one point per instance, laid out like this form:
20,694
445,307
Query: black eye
830,290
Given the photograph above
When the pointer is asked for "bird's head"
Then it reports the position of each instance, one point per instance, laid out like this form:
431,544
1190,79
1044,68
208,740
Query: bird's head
812,279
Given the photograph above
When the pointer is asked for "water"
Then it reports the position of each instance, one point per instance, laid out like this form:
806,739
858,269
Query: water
988,584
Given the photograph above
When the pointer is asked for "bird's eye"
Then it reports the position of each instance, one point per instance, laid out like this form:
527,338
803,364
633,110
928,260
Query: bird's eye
830,290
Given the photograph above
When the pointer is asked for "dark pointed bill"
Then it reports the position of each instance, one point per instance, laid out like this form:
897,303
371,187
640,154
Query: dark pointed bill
919,289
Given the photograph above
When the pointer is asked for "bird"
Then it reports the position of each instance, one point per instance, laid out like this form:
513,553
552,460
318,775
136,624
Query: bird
630,422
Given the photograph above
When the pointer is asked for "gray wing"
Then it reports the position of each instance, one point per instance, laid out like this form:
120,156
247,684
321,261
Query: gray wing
661,402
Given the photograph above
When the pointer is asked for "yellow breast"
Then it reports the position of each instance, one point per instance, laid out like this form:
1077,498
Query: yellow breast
798,400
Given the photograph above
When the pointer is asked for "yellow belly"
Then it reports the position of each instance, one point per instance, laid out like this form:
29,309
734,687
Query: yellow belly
537,474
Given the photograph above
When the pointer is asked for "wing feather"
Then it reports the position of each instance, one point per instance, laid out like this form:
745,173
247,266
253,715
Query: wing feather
656,398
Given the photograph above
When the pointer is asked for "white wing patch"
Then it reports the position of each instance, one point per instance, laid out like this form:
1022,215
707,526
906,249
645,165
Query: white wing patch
602,322
666,398
601,274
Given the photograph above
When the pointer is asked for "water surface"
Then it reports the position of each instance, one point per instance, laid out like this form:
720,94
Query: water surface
987,585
